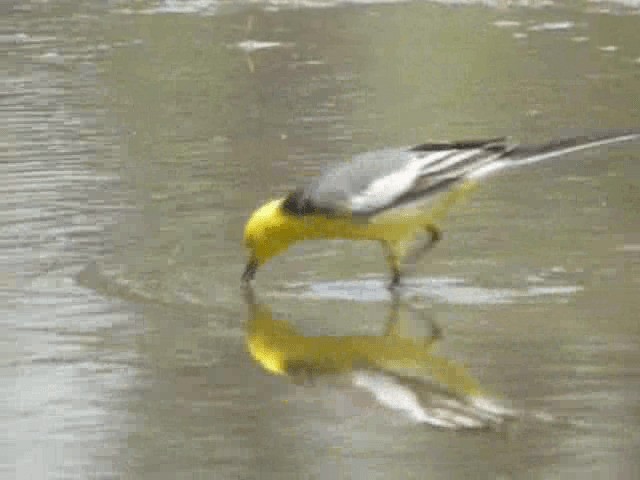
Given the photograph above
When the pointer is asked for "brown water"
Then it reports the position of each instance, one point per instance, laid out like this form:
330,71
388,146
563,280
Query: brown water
138,136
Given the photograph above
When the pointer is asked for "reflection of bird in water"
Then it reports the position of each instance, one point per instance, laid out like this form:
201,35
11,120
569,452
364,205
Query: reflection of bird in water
400,372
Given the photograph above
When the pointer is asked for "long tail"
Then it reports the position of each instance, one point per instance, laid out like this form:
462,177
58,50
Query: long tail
527,154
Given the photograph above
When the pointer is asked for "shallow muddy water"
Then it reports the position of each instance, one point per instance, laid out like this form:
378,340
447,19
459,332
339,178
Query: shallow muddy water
136,139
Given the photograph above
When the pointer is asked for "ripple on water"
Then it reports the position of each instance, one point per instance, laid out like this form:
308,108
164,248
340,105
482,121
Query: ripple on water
446,289
214,7
66,352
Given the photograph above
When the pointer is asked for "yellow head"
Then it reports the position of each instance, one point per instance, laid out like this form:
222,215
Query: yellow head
267,233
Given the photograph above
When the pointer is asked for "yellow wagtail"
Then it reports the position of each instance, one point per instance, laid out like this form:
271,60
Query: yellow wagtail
392,195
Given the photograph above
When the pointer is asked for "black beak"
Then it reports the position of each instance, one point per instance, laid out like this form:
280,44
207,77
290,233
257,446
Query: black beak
250,271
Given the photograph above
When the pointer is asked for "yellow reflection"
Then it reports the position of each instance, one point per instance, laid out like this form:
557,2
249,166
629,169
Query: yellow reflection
281,350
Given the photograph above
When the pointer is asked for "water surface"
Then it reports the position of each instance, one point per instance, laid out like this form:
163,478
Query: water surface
138,136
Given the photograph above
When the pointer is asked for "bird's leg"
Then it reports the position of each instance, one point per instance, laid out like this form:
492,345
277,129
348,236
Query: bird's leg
394,264
435,235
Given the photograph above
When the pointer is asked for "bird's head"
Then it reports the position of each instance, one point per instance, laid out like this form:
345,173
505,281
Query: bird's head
268,232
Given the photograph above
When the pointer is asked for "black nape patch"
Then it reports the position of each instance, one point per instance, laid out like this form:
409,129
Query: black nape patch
296,203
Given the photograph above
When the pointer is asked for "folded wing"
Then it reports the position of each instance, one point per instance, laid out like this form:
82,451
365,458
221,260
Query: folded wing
374,182
377,181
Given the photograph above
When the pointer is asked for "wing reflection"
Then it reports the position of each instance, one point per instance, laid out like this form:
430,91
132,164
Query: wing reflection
398,370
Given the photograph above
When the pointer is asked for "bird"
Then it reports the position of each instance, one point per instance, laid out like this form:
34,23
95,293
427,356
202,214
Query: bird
395,195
